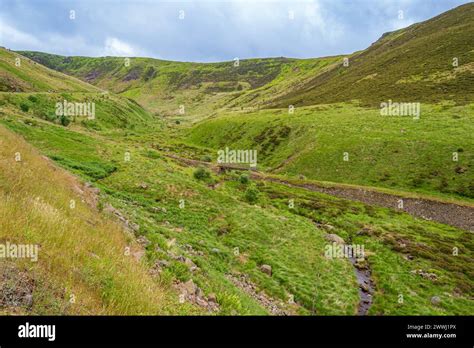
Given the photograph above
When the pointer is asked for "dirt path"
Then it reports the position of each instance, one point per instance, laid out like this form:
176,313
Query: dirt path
461,216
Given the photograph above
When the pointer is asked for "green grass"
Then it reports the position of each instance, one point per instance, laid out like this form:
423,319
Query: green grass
194,213
19,74
386,151
412,64
266,233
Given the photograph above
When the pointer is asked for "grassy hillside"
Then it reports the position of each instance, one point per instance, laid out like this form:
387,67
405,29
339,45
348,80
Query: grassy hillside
82,267
20,74
164,86
393,152
411,64
389,69
110,111
218,216
227,242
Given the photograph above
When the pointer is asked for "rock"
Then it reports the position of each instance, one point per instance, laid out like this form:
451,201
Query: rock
163,263
327,227
179,258
29,300
215,250
361,264
212,298
435,300
191,265
190,287
334,238
135,227
426,275
201,302
199,292
267,269
143,241
143,186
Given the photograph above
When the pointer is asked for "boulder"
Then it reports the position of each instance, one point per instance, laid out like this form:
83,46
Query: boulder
267,269
191,265
190,287
212,298
334,238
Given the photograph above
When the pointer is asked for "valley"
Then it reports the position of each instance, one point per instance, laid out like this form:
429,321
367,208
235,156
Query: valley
161,226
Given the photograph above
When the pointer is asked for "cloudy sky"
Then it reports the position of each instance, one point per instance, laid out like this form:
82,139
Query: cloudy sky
207,30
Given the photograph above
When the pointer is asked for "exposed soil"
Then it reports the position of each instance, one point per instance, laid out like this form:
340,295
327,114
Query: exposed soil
275,307
456,215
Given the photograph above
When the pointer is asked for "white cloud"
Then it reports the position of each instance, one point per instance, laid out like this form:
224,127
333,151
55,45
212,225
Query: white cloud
115,47
9,35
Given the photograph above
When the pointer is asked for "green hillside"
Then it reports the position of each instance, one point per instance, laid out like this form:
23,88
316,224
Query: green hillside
411,64
192,225
20,74
164,86
161,227
392,152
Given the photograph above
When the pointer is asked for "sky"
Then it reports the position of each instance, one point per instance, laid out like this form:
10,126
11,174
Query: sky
207,30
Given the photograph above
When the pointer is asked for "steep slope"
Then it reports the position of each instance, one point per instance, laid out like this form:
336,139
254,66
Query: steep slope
81,267
20,74
411,64
31,90
107,111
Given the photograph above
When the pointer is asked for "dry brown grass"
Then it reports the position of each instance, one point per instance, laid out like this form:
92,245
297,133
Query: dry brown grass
82,252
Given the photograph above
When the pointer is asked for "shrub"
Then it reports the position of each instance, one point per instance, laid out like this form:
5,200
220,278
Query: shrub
65,121
32,98
24,107
201,174
251,194
150,73
206,158
51,116
244,179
